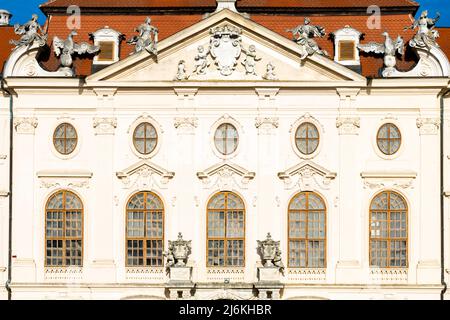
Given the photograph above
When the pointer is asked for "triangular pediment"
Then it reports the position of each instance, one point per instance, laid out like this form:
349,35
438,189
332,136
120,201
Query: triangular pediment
307,175
270,48
145,174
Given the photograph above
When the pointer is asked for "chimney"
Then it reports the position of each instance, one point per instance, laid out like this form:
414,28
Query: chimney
4,17
226,4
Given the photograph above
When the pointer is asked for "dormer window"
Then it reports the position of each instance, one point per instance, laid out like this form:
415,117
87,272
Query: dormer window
346,41
347,49
108,40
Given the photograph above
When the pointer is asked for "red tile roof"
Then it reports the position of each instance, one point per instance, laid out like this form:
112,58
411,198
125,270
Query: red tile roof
240,3
6,33
171,24
444,40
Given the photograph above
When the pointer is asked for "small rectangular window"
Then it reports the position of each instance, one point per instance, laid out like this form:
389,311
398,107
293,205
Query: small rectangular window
106,51
346,50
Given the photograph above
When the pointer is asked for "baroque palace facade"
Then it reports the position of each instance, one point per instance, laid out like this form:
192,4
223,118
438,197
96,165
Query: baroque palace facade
225,150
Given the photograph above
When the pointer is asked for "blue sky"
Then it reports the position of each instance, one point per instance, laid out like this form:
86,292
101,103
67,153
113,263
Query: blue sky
22,9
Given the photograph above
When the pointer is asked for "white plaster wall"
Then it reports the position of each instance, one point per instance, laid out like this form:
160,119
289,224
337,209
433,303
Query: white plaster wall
266,198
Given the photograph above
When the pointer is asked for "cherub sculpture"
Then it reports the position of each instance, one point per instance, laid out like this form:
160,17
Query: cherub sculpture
65,49
181,73
201,60
304,34
270,72
147,38
250,60
29,32
426,34
389,49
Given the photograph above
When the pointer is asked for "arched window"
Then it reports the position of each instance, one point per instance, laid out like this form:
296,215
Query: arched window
226,231
145,230
388,231
64,230
307,231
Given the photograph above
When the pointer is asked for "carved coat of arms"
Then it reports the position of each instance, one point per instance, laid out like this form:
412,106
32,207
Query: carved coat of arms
226,48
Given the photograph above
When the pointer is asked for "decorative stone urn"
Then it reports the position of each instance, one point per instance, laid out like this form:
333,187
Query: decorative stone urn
270,253
177,256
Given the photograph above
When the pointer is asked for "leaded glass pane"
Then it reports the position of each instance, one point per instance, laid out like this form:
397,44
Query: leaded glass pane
225,230
216,224
137,201
56,201
388,231
217,202
64,230
153,202
380,202
307,138
145,230
145,138
299,202
235,253
234,202
226,139
216,253
65,138
389,139
235,224
397,202
307,231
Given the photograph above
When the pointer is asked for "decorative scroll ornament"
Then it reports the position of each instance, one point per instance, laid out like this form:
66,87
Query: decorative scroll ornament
304,34
389,49
270,253
145,175
65,49
181,71
178,252
226,48
104,126
428,126
270,72
147,38
426,34
30,32
226,176
348,126
306,176
25,125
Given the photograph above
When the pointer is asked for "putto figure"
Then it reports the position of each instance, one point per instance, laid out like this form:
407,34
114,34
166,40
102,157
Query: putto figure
67,48
181,71
250,60
426,35
270,72
147,38
29,32
389,49
201,60
304,34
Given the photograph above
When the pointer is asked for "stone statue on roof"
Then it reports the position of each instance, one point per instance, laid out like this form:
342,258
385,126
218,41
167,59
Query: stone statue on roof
147,38
304,34
29,32
426,34
65,49
389,49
